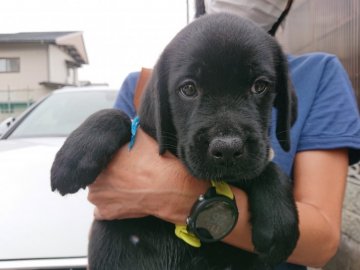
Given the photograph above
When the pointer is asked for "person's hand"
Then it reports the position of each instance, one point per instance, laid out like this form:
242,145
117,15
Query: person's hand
140,182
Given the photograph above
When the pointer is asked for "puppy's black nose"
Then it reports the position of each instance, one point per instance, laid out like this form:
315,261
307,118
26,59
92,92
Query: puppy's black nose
226,149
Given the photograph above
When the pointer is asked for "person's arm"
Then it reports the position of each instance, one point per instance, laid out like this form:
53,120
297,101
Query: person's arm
320,178
140,183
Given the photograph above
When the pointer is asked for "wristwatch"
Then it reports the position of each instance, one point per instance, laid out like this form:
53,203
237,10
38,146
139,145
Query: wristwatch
214,214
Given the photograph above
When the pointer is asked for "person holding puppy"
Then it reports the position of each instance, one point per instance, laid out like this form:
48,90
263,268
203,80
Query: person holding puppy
325,139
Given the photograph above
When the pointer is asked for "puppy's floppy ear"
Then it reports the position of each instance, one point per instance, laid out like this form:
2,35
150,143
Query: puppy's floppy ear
285,103
155,111
165,130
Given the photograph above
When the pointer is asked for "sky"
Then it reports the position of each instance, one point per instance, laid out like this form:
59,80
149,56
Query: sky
120,36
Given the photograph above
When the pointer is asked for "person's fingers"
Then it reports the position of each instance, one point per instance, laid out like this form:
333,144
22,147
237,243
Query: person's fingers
97,214
105,213
93,193
90,195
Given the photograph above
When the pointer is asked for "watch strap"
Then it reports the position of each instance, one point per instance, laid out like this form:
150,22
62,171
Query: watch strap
222,188
189,238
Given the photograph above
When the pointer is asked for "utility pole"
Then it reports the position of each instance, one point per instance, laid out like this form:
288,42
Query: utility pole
9,99
187,12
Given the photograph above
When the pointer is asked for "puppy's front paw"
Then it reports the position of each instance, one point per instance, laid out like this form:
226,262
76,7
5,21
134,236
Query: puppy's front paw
88,150
275,238
274,216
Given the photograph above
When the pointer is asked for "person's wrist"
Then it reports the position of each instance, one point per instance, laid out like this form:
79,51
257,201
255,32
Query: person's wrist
181,192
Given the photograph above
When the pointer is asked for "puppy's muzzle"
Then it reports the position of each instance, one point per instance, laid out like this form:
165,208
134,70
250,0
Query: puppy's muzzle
226,150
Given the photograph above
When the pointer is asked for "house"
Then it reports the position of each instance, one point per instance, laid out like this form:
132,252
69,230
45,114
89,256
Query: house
33,64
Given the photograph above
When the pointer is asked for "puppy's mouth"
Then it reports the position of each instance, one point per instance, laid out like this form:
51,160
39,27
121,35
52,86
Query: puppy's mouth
229,159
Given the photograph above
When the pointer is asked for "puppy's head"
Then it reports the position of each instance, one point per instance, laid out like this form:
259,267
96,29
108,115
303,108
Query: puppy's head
213,90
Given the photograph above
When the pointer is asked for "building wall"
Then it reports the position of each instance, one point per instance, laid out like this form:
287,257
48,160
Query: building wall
333,26
58,71
33,69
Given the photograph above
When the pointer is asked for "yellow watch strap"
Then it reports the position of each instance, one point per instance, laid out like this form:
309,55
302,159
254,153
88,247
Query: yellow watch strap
189,238
222,188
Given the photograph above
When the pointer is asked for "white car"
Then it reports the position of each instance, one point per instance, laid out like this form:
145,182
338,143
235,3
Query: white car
40,229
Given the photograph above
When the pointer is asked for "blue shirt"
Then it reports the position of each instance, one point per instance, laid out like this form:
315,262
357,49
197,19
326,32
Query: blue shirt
328,116
125,98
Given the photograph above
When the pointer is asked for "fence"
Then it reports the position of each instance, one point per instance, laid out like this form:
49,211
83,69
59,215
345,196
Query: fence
14,101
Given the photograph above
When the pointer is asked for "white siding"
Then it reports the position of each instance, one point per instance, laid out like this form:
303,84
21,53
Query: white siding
33,69
57,64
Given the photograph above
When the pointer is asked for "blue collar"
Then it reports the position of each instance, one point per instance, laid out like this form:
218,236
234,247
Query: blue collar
134,127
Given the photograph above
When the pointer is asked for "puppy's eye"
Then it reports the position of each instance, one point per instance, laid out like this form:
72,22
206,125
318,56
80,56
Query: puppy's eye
260,86
188,90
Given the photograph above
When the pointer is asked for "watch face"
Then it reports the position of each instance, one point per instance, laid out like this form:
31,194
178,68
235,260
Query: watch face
215,220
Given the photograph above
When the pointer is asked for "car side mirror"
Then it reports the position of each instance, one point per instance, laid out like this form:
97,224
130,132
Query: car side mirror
6,124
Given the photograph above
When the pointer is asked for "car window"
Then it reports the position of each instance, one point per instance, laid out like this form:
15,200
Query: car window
61,113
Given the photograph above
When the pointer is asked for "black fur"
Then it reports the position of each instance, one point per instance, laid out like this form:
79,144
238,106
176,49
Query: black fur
219,133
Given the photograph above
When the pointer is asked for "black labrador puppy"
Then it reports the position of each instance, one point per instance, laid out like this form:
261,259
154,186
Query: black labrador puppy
209,102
